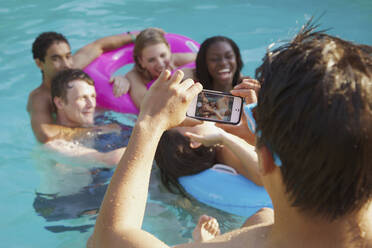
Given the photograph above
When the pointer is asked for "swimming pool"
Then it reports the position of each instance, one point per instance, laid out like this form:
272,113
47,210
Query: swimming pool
252,24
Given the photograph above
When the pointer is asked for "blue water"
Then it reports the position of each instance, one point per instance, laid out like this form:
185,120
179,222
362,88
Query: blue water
253,24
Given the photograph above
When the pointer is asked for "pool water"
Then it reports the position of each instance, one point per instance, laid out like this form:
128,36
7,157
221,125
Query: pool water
252,24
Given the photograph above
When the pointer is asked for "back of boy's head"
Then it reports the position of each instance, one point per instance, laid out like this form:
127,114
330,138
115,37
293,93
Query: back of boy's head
44,41
315,111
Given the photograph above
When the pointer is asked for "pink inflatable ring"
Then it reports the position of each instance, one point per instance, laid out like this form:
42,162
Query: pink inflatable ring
102,68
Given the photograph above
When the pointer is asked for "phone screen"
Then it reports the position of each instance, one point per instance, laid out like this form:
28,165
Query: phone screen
216,106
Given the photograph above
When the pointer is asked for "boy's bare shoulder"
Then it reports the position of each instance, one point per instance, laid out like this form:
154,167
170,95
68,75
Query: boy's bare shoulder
38,97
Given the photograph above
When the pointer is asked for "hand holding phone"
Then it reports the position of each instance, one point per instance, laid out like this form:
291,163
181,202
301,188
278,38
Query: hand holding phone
216,106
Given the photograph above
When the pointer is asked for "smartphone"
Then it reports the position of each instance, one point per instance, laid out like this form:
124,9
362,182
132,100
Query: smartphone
216,106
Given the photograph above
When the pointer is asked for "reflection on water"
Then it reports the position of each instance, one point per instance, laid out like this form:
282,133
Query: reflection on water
252,24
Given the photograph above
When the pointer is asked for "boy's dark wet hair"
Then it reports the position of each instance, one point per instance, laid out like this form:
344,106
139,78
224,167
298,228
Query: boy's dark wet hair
175,158
315,111
202,73
60,83
44,41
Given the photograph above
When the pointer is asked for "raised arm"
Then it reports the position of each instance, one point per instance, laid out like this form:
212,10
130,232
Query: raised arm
85,55
181,59
121,214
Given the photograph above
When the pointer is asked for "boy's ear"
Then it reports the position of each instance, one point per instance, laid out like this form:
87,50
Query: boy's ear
267,164
58,102
39,63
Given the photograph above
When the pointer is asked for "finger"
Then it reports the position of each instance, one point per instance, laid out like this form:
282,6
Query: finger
203,218
248,83
194,137
251,97
163,77
177,77
225,127
186,84
215,227
194,90
240,92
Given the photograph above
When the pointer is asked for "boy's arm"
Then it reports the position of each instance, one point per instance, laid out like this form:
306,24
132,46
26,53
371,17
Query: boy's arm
181,59
137,90
235,152
75,150
42,123
85,55
120,219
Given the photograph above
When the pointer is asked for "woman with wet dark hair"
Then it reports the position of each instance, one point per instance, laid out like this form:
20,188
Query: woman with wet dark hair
184,151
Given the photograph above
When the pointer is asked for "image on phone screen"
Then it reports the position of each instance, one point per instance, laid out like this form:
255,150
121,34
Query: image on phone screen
216,106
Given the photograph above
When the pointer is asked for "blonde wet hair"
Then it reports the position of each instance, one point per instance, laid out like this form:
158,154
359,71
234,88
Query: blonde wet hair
147,37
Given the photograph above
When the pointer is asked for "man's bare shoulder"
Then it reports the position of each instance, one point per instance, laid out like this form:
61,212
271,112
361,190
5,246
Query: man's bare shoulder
39,98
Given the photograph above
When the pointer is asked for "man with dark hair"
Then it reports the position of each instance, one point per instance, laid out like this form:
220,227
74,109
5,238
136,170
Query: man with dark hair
314,141
74,99
70,189
52,53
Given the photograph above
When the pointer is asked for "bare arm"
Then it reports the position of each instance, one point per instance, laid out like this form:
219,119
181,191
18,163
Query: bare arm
44,127
189,73
235,152
76,150
85,55
181,59
138,88
120,218
246,154
40,110
132,82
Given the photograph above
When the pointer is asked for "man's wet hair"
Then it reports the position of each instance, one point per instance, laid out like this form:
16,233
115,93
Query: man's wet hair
44,41
315,111
61,82
201,70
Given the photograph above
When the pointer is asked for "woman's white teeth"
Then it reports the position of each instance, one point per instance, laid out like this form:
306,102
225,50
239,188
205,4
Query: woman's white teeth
224,70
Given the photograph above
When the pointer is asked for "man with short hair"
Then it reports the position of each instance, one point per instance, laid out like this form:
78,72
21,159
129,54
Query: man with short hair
74,98
313,140
52,53
72,189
